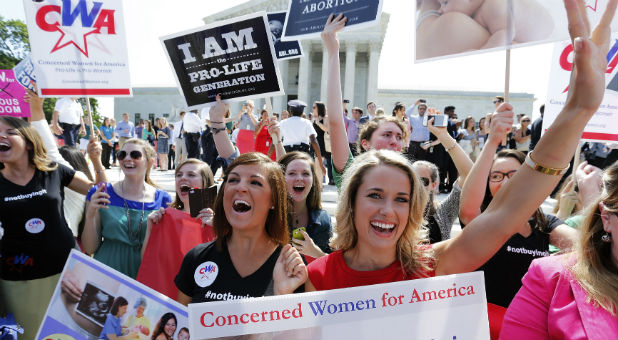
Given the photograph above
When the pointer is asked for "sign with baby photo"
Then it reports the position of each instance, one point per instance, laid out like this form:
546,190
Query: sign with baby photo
452,28
234,58
284,49
604,124
94,301
443,307
306,18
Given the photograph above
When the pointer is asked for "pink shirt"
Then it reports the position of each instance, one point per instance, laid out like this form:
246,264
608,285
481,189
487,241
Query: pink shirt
552,305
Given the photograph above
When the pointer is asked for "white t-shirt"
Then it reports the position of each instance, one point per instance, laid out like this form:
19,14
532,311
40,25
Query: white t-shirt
69,111
296,130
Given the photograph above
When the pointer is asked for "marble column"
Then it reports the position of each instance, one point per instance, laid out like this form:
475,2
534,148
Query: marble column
304,73
280,103
372,77
323,79
350,71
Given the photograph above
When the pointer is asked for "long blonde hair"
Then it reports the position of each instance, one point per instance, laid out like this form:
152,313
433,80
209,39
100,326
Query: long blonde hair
414,258
149,153
37,154
595,270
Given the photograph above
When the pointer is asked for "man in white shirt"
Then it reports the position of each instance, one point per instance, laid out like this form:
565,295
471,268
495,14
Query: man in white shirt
192,126
179,141
67,120
298,134
371,113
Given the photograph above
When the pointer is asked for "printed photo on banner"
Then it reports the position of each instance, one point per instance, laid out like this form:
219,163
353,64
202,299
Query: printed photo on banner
78,47
603,126
92,301
12,96
24,73
235,58
283,49
306,18
444,307
452,28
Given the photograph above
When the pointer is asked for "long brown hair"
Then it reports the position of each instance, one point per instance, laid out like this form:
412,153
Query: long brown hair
414,258
37,153
595,270
276,221
314,199
204,170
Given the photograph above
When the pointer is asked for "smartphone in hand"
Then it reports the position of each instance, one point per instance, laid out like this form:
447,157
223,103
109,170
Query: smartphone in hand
438,120
201,198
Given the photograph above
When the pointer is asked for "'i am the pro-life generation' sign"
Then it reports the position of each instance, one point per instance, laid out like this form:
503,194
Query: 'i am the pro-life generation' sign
234,58
78,47
306,18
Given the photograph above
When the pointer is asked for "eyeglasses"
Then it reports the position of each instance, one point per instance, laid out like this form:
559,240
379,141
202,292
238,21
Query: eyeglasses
525,121
425,181
496,101
121,155
498,176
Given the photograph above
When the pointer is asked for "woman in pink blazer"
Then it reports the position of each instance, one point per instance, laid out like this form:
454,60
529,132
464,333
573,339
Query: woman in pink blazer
574,296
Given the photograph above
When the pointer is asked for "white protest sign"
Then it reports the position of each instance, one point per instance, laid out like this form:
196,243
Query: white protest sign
444,307
446,29
604,124
78,47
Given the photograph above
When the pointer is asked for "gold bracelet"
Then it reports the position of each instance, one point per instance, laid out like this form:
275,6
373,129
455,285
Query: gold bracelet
451,147
545,169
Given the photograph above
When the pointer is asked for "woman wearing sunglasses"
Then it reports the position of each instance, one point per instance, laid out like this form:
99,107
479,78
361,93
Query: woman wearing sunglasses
503,272
440,216
116,215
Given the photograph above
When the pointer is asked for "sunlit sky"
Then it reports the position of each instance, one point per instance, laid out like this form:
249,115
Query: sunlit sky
147,20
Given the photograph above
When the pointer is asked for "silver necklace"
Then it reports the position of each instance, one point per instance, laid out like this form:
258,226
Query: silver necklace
133,236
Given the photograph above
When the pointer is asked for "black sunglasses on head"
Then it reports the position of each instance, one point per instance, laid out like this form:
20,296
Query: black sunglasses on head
121,155
425,181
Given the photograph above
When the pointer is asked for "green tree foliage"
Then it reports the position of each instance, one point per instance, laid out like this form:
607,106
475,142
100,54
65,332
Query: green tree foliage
14,44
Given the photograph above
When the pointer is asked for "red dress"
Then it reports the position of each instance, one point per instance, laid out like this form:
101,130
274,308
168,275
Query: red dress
263,141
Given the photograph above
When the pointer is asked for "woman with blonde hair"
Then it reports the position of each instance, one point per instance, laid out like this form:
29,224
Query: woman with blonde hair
116,215
163,136
379,218
574,295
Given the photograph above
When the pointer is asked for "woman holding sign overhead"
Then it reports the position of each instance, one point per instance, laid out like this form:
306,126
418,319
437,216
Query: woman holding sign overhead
379,217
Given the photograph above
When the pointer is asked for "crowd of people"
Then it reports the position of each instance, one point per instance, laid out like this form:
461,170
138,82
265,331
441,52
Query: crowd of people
267,232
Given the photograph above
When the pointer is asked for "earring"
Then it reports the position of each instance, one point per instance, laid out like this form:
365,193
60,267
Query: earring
272,208
606,238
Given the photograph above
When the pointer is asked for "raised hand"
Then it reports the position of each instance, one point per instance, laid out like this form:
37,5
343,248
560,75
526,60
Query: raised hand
329,34
501,122
99,199
206,216
589,63
217,112
290,271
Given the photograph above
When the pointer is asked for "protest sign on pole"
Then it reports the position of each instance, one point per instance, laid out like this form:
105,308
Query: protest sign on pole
306,18
102,286
78,47
12,96
234,57
283,49
444,307
604,124
24,73
448,29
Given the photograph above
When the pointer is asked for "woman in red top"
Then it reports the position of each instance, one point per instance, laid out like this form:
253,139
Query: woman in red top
380,212
263,141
